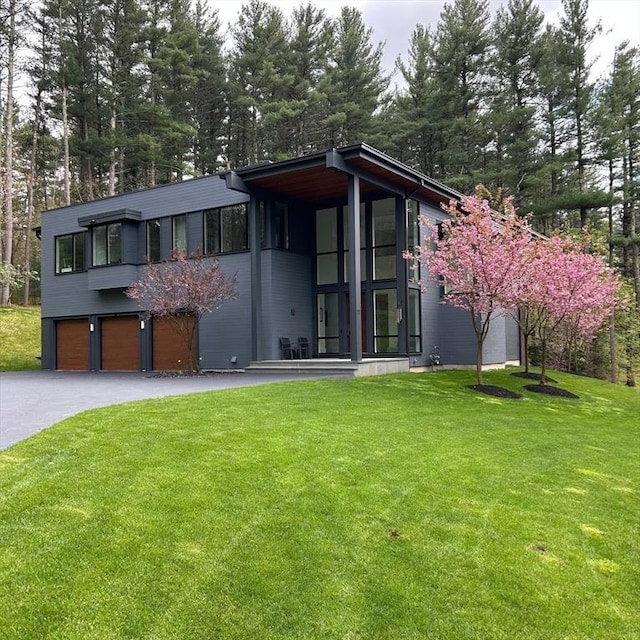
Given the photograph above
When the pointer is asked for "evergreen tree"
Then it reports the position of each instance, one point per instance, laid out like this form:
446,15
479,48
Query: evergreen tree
208,97
354,82
293,123
515,31
257,77
461,51
418,138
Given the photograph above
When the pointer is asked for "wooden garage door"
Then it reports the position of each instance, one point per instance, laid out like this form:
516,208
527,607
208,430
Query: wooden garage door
72,345
170,351
120,339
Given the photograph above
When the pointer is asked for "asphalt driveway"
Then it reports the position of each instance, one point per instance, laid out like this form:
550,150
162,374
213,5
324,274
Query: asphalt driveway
34,400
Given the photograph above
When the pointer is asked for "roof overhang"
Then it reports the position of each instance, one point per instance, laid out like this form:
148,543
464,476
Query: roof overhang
109,216
323,177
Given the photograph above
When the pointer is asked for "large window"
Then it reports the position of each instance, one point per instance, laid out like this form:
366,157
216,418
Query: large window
327,246
107,244
225,229
415,328
328,323
280,225
383,223
179,233
153,240
70,253
385,320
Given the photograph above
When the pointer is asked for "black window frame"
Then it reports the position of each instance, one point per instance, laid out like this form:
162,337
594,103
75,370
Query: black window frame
77,243
216,230
153,226
108,248
174,245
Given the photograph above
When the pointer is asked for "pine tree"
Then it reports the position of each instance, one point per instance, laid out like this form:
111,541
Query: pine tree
516,30
354,83
461,51
256,78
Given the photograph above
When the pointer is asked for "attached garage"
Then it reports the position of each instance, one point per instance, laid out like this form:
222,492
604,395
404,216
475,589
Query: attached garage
120,343
170,352
72,344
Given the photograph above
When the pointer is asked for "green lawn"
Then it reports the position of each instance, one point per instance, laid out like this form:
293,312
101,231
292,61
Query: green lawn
19,338
398,507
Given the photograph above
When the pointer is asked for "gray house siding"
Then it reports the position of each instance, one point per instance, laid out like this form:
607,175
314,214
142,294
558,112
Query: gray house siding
287,299
225,333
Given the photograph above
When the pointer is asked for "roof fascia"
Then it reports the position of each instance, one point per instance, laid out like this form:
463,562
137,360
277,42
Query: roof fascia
109,216
335,160
391,164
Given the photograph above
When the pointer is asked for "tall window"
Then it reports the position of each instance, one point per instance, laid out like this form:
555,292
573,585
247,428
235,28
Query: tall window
280,225
226,230
385,319
153,240
415,329
179,233
70,253
328,323
327,246
383,223
107,244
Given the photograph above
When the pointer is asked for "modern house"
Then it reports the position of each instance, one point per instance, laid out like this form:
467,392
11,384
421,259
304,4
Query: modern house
317,244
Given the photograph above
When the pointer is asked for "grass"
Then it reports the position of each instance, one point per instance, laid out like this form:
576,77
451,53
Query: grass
19,338
404,506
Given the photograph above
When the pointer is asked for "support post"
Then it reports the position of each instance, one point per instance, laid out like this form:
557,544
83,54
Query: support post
355,304
256,279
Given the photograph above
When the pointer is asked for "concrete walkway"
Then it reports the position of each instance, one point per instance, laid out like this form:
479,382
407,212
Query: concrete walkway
34,400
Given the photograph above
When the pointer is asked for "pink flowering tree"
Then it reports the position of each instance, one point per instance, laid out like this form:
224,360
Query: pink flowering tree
182,290
477,256
563,285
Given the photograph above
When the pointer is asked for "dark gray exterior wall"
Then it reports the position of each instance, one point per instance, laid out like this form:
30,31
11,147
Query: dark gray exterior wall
287,299
225,333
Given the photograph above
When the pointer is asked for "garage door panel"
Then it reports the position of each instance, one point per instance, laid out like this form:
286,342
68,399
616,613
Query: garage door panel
120,343
72,344
170,352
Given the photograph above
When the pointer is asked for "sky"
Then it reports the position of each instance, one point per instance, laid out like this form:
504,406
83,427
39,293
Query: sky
393,21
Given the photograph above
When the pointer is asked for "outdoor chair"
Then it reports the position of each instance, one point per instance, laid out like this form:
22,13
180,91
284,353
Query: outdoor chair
303,348
286,349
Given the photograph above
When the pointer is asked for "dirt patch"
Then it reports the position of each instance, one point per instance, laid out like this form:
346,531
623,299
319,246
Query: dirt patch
551,391
529,375
493,390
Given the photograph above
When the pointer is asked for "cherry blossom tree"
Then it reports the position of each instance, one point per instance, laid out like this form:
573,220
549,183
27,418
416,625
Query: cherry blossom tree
182,290
562,284
476,253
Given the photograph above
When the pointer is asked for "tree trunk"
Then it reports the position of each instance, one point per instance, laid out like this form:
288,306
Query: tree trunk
543,359
7,250
31,185
65,145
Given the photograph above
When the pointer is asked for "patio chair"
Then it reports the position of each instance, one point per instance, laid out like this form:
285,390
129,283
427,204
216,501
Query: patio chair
286,349
303,348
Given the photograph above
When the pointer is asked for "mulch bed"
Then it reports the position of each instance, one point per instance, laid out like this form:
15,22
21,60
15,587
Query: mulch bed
551,391
529,375
493,390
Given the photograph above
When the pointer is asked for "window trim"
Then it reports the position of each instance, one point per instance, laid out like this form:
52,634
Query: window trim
108,248
153,224
218,214
75,236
